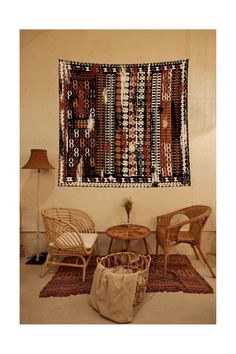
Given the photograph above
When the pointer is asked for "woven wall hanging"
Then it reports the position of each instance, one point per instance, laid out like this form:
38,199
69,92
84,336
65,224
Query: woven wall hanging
123,125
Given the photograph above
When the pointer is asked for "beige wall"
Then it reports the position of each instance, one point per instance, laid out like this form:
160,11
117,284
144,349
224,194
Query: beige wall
40,51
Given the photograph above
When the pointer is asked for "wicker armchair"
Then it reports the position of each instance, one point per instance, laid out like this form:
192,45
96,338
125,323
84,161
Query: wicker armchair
70,232
169,233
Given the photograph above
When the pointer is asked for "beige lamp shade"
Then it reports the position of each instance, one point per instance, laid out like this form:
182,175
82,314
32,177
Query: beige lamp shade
38,160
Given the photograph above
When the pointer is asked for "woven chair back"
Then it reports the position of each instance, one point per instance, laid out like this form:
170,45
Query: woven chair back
60,222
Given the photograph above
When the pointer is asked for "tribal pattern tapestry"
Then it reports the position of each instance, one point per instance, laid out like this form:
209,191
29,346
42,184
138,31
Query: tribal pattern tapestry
123,125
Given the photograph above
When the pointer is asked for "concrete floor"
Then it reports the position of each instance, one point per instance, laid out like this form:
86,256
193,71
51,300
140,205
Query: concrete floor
156,308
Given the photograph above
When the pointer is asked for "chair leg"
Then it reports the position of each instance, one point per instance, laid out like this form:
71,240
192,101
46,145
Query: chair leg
85,264
204,258
157,246
45,266
194,249
84,273
146,247
110,245
166,256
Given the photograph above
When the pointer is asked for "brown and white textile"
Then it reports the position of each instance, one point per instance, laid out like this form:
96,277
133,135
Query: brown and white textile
124,125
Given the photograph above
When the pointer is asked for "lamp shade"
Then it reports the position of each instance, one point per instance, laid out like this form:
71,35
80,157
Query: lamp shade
38,160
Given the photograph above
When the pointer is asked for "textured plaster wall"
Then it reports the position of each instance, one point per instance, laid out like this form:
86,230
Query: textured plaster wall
39,54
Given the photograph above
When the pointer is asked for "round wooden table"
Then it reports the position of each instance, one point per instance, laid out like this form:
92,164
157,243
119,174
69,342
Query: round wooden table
127,233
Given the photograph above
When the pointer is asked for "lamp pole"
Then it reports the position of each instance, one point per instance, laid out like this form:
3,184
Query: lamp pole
38,161
38,231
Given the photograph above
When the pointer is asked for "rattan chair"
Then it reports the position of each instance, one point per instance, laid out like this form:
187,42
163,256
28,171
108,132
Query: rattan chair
169,231
70,232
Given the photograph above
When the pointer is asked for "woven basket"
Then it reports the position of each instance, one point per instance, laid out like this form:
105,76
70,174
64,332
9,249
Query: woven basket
132,262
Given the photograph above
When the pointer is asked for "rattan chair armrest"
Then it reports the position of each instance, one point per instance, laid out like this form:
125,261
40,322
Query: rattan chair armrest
198,218
174,230
164,219
178,225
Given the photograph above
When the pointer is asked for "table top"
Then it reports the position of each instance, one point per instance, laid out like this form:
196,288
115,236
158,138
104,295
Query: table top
128,232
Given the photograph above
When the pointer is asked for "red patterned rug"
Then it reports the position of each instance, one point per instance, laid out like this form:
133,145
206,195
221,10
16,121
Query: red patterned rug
181,276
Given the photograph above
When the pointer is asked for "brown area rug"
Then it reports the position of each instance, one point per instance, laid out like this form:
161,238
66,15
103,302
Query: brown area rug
181,276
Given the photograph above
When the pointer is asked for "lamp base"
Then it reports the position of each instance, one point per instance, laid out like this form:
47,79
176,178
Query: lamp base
41,260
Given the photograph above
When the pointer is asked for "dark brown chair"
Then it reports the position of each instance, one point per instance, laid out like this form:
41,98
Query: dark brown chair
169,231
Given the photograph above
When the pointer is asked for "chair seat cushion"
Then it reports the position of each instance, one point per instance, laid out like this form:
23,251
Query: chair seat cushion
89,239
72,240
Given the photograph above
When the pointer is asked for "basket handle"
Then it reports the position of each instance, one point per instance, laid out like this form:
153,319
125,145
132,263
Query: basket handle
148,257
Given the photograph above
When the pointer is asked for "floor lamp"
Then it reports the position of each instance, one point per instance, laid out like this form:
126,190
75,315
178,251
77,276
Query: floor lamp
38,161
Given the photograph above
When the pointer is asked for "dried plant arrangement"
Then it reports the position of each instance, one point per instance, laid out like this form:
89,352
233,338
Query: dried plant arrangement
128,205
